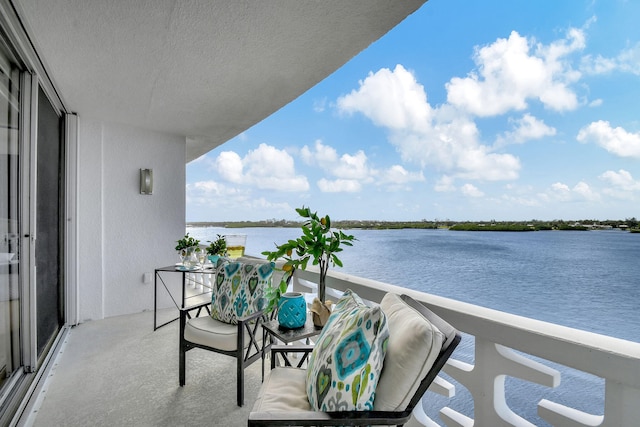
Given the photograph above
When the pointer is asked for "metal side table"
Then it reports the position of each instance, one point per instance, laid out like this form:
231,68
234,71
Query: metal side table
272,330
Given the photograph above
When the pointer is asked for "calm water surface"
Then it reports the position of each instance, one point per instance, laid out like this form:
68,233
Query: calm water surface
582,279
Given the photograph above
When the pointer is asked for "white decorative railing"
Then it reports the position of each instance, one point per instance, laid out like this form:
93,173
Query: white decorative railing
497,335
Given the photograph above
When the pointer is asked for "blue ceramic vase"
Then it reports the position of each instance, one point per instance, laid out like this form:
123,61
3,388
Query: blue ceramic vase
292,310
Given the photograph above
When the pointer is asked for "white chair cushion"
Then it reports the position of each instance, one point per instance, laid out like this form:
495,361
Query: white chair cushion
213,333
414,345
283,390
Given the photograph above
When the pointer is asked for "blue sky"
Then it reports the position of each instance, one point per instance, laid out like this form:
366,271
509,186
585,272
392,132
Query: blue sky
467,110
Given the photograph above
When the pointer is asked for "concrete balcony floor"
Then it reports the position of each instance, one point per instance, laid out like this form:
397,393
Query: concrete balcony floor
120,372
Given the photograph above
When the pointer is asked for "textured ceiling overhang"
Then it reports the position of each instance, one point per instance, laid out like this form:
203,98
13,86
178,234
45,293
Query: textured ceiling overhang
207,70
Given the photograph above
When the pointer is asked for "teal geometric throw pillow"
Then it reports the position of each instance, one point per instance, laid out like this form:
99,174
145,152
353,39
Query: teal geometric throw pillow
238,290
345,364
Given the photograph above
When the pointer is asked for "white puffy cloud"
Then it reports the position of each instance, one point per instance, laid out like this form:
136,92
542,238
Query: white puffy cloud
512,71
526,128
349,171
353,166
352,171
391,99
471,190
229,166
398,175
581,191
323,155
478,163
622,180
266,167
346,166
615,140
561,191
560,187
443,137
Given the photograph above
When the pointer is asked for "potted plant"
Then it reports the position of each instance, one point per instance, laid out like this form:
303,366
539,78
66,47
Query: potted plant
187,247
216,248
318,244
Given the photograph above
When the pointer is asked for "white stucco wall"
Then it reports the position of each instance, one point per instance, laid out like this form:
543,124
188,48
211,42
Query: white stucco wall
123,234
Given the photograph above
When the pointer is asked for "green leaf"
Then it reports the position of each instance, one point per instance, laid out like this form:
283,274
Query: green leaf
303,212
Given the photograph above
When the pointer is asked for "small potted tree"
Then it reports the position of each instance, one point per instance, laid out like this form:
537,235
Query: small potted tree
318,244
216,249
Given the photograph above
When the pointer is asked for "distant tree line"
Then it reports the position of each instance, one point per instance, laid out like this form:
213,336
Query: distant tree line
515,226
533,225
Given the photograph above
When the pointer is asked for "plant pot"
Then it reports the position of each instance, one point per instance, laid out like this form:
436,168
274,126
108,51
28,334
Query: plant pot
292,310
320,312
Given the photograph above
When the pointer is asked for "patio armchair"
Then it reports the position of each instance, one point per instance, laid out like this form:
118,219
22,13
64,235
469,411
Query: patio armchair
232,324
419,345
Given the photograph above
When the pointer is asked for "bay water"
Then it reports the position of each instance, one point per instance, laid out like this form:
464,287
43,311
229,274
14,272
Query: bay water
588,280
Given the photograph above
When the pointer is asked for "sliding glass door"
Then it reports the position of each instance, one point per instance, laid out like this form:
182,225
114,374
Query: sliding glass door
32,228
10,178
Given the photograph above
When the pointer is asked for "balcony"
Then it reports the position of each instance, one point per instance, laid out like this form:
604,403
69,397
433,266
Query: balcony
119,371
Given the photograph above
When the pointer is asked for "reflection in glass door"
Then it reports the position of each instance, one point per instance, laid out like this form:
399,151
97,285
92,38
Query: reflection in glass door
9,215
49,225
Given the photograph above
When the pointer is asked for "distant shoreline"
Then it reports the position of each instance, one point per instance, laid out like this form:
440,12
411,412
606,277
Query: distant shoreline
631,225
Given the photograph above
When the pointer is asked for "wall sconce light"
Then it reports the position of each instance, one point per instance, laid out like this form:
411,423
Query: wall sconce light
146,181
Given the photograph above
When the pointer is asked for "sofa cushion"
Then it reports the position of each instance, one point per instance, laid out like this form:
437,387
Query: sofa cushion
414,344
346,361
238,289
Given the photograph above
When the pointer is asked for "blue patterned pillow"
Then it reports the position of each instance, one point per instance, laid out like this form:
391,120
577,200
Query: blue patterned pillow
239,288
220,261
346,362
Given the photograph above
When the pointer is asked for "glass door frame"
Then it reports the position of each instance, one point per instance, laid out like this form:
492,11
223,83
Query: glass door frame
34,76
28,132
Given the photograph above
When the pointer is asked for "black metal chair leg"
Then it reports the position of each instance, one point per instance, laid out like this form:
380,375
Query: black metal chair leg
182,351
240,381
